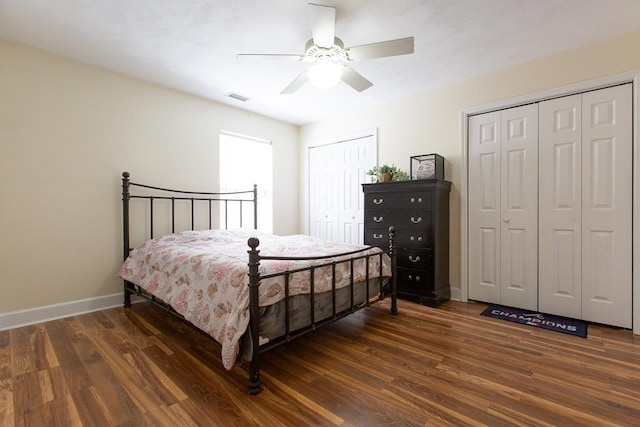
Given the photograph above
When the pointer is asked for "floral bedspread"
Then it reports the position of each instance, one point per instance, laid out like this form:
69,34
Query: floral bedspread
203,275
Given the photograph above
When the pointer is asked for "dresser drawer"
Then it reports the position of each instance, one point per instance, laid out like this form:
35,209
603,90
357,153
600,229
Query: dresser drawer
419,200
414,281
421,259
419,238
414,238
376,237
383,219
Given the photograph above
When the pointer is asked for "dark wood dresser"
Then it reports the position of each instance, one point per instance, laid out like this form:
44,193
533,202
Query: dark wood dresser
419,210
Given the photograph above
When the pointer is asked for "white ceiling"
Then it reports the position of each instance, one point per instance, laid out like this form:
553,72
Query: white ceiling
191,45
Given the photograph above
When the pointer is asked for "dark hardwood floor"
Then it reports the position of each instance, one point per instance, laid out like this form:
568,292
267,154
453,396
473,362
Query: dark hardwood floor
425,366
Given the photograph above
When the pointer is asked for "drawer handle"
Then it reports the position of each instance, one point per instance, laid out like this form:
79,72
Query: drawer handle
377,236
377,218
417,278
378,201
419,238
416,259
416,221
419,200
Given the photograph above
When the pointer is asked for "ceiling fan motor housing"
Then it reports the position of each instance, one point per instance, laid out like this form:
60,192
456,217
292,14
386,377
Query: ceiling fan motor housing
315,53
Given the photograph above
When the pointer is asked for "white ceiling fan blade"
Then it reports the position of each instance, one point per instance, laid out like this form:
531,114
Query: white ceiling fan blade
287,56
381,49
355,80
323,24
296,84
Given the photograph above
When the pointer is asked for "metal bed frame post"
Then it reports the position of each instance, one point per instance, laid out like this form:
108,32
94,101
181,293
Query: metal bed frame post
254,315
255,206
394,278
125,230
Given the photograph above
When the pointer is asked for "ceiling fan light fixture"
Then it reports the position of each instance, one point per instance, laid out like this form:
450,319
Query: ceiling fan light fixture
325,75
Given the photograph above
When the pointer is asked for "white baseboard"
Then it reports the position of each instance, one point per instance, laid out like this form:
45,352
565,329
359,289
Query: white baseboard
456,295
16,319
31,316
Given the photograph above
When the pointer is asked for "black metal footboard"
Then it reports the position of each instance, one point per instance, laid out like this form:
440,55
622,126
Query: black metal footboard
385,289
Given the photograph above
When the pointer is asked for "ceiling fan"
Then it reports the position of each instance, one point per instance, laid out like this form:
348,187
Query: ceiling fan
330,57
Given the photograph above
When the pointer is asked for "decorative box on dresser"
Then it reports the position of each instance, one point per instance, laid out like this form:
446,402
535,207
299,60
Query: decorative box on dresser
419,210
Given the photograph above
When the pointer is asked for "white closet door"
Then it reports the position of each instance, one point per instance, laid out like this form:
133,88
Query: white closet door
586,206
323,183
503,207
607,171
336,199
561,206
484,207
519,207
356,157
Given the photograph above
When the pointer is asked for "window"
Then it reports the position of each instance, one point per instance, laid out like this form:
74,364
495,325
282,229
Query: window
245,161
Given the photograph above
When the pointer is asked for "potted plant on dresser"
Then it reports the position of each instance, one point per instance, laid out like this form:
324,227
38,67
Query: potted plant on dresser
386,173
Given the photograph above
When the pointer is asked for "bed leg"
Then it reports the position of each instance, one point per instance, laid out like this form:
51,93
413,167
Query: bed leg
255,385
127,295
394,276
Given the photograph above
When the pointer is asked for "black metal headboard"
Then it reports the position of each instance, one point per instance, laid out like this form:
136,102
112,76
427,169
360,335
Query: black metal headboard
240,197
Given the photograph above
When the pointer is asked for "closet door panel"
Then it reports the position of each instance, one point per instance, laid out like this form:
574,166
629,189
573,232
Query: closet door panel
484,207
607,206
323,185
355,158
560,241
519,207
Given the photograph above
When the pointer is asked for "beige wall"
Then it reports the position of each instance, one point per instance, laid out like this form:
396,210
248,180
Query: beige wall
431,122
67,131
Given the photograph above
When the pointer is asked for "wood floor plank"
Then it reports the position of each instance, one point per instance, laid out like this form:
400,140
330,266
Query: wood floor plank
426,366
5,355
26,392
22,355
75,374
7,403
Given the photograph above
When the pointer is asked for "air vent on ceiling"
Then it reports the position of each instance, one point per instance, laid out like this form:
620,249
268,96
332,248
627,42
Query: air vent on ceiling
237,96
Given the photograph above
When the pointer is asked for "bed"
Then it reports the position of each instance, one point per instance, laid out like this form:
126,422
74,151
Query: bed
248,290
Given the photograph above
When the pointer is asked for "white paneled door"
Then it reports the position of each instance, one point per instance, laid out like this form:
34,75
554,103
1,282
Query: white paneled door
503,222
484,207
519,207
586,206
336,200
323,190
561,206
356,157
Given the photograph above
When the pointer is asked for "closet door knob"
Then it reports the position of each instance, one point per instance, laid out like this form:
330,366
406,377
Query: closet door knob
507,219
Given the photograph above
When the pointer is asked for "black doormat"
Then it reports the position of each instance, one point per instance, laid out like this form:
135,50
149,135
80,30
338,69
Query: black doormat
538,320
